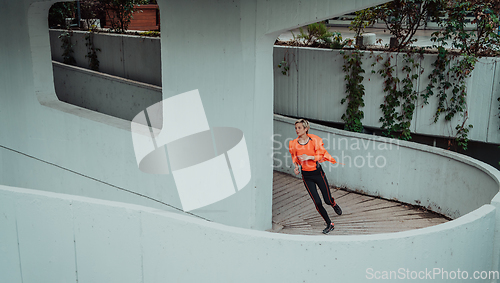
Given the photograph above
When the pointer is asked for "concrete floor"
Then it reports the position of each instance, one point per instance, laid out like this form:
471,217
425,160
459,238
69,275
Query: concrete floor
294,212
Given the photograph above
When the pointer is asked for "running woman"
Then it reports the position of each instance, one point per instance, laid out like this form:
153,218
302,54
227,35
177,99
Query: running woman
307,152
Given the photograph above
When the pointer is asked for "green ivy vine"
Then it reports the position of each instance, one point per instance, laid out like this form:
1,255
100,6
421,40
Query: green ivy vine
438,81
400,98
92,51
458,101
67,47
449,80
355,90
285,64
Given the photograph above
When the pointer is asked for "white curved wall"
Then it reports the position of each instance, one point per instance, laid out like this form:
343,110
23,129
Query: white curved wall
51,146
49,237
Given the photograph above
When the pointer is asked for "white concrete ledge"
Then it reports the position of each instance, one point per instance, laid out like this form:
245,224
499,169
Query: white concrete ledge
107,94
50,237
133,57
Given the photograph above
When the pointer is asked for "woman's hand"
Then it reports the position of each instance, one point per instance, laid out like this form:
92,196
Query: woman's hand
296,170
305,157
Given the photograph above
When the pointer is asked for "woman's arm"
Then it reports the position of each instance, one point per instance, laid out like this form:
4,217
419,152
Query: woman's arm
305,157
319,150
291,148
295,160
296,169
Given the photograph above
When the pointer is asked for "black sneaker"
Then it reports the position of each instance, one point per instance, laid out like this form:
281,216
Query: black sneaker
337,209
328,228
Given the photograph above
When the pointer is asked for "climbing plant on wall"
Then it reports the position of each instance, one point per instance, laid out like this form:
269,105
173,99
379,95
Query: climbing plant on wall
67,47
448,76
400,96
451,72
355,90
92,51
447,80
402,19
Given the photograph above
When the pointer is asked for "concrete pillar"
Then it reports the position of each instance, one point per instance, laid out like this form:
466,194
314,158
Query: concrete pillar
496,247
224,49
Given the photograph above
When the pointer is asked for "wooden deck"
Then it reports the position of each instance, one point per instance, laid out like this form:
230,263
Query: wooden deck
294,212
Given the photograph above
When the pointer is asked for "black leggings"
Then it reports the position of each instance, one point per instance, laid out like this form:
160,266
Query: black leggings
317,177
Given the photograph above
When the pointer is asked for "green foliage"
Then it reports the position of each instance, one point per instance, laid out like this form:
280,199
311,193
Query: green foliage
447,80
460,71
92,52
67,47
400,98
355,90
438,80
401,17
285,66
288,60
363,19
120,12
462,134
150,33
317,35
450,82
90,10
59,12
483,40
337,42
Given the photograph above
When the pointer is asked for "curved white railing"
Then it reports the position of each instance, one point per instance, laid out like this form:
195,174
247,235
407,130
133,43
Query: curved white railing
50,237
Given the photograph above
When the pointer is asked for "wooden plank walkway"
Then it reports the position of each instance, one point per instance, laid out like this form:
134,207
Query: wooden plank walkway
294,212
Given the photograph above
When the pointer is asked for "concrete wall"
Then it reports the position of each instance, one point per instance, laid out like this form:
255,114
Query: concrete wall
53,147
50,237
441,180
65,148
110,95
496,248
132,57
314,87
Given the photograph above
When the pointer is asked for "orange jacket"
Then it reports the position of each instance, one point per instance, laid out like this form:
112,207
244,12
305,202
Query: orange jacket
319,152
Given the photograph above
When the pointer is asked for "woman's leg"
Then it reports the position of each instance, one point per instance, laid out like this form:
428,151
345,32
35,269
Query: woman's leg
325,190
310,183
327,195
